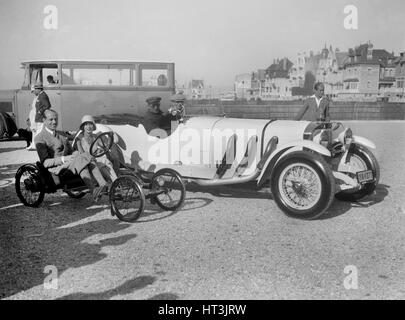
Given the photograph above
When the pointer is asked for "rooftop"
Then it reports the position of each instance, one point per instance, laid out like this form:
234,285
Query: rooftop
361,55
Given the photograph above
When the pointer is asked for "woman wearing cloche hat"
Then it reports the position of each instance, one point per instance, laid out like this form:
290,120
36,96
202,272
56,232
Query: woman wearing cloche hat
84,141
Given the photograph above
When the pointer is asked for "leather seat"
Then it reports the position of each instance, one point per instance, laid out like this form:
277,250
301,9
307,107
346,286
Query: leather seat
65,180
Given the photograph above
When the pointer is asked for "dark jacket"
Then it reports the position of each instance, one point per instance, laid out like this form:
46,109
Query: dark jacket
41,105
311,112
154,120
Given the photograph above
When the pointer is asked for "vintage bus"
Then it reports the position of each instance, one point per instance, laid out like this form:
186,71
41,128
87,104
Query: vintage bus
94,87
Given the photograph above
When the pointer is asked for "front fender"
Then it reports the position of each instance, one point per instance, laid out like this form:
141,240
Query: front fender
285,149
364,142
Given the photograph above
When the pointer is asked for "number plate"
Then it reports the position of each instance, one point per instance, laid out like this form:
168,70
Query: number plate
365,176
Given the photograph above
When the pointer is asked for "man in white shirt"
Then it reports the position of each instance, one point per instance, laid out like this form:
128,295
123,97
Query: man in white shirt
316,107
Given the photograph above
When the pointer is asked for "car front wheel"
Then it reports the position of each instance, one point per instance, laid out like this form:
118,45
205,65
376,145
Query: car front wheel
362,159
303,185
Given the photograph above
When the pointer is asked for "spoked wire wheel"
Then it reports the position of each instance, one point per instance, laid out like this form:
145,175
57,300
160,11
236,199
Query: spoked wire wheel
300,186
127,199
28,186
169,188
361,159
303,185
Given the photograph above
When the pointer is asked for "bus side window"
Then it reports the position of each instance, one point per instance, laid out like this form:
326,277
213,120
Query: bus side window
152,77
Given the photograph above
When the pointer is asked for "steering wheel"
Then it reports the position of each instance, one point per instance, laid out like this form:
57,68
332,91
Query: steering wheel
102,144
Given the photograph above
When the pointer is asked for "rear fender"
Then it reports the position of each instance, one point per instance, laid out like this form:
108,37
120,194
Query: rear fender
287,148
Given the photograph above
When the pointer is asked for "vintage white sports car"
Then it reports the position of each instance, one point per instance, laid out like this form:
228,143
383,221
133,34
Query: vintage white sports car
308,164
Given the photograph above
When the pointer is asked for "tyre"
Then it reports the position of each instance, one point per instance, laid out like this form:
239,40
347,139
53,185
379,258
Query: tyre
29,186
169,188
362,159
75,194
127,199
303,185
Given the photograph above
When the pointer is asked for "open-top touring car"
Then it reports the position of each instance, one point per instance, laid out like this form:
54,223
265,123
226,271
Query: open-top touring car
308,164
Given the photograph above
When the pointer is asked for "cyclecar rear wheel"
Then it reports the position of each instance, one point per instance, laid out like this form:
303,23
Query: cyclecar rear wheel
29,186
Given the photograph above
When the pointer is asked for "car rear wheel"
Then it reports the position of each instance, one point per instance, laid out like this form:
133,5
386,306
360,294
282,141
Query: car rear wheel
361,159
303,185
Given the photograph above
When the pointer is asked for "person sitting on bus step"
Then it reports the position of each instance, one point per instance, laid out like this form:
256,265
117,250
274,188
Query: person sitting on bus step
50,80
84,141
39,105
56,154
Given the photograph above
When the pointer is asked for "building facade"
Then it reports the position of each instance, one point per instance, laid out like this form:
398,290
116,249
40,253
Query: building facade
400,76
297,72
331,69
364,73
242,85
197,90
278,84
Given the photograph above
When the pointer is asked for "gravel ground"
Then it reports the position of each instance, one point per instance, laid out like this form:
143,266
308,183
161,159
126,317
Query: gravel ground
226,243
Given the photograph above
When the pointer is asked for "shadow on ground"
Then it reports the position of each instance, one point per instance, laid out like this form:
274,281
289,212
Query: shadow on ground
153,212
10,149
127,287
339,207
32,238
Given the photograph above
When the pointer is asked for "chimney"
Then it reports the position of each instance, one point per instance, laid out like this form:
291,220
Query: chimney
285,64
369,51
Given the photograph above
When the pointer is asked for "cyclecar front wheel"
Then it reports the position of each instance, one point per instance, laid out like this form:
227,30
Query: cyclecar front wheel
127,199
169,189
303,185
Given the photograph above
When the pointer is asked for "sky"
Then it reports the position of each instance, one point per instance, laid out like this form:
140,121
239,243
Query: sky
212,40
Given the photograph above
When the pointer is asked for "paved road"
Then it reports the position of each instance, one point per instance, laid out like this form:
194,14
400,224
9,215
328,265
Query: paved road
226,243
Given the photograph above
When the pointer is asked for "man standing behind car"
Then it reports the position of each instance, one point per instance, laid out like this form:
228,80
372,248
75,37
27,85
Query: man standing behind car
316,108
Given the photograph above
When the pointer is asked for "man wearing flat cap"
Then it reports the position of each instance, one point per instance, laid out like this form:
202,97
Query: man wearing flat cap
154,116
40,104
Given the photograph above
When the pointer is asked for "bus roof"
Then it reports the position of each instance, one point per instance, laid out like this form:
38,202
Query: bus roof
70,61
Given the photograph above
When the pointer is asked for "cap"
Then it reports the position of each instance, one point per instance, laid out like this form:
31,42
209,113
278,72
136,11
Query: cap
152,100
178,98
38,85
